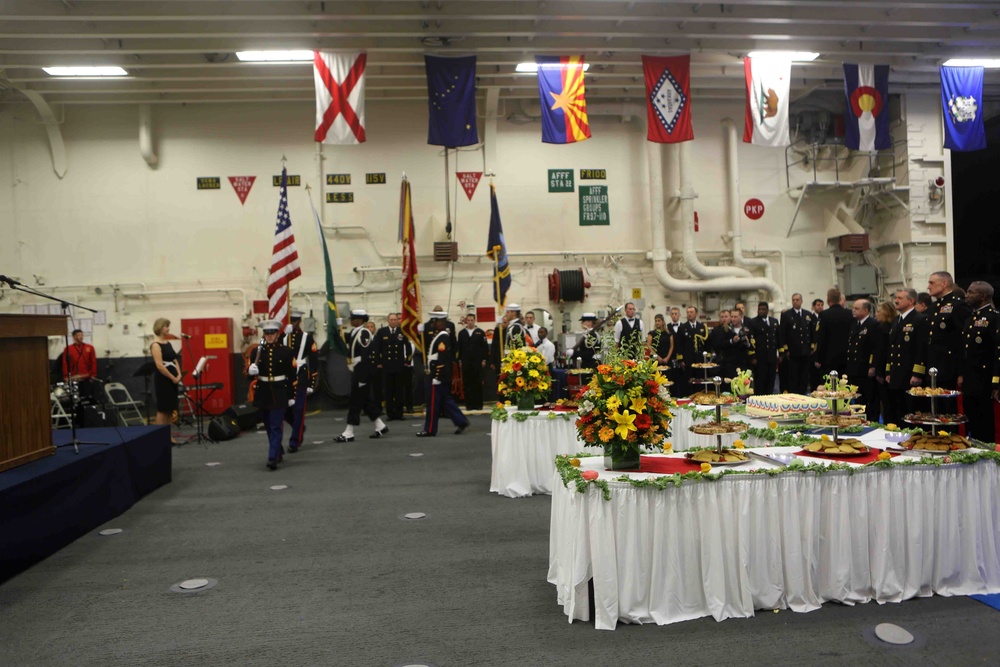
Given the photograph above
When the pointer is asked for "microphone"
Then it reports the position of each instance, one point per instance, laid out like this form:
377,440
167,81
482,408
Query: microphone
184,335
9,281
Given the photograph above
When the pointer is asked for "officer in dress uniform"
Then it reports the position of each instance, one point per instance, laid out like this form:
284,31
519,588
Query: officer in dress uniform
392,352
731,347
795,344
306,356
630,330
273,367
764,330
362,350
472,353
507,335
439,398
588,344
946,320
903,367
980,362
693,342
860,368
833,330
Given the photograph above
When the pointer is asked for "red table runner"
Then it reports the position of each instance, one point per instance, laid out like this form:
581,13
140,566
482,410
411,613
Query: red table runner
870,457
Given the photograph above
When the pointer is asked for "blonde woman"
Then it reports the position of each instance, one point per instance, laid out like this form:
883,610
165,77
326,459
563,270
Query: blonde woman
168,372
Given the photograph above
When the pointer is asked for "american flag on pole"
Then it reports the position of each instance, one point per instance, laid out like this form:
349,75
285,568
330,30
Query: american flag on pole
284,258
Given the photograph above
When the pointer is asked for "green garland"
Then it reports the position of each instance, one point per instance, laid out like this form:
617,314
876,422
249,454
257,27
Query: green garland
501,414
571,473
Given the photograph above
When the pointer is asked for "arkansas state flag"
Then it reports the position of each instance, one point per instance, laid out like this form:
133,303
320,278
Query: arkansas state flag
668,97
767,80
340,97
867,118
564,107
962,102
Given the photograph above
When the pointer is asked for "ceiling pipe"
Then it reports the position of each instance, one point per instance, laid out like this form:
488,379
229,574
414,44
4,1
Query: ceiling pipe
735,231
146,135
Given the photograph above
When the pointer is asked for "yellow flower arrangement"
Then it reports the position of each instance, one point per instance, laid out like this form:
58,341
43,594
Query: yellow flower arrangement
523,375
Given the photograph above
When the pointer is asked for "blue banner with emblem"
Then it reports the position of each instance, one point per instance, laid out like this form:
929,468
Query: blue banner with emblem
962,105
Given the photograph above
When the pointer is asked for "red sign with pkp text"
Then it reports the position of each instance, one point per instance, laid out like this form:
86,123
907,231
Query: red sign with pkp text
754,209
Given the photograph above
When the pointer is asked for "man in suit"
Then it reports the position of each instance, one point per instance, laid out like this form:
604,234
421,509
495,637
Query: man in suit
530,329
860,364
629,330
693,341
833,330
472,353
730,346
795,338
392,352
362,362
904,367
946,321
980,364
273,369
306,356
439,398
764,329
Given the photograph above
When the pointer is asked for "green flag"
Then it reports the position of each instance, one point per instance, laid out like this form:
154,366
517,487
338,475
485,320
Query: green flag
334,337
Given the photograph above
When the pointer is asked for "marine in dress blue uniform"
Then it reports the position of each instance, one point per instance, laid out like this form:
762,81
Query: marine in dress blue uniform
303,347
439,398
273,367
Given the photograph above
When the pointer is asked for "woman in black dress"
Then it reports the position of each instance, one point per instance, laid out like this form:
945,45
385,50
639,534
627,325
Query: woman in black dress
661,346
168,372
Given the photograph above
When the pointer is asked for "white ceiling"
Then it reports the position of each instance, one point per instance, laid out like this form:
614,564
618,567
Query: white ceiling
183,50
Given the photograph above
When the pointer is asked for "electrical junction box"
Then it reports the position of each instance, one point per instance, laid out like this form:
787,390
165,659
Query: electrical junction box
860,280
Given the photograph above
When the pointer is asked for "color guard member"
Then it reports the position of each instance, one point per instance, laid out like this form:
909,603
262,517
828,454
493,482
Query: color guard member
303,346
439,398
273,368
359,342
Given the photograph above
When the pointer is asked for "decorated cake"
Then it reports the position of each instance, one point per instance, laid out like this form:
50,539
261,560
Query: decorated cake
783,405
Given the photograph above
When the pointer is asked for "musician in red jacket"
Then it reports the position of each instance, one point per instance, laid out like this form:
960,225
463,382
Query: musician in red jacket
79,359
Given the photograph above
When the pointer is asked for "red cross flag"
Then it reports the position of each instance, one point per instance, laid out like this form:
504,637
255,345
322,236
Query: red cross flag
340,97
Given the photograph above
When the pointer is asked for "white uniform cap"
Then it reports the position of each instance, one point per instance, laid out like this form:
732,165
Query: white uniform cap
438,315
296,314
513,306
270,325
359,313
588,316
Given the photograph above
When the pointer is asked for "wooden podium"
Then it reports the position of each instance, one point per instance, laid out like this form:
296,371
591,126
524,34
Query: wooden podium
25,407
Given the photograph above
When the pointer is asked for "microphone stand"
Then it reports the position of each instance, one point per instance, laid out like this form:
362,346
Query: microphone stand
65,305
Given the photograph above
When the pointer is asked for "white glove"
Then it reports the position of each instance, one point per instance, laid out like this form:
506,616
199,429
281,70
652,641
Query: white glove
309,391
288,329
435,381
291,402
253,370
362,384
340,321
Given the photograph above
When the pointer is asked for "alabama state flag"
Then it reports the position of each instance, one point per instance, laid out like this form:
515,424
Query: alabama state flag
767,81
564,107
668,98
867,118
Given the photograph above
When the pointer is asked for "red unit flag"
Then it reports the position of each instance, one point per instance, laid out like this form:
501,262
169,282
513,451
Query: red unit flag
411,282
668,98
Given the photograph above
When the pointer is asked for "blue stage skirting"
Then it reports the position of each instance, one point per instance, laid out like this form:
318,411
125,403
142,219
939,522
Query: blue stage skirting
46,504
992,600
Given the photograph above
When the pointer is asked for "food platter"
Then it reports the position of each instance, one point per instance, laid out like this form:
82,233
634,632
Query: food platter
847,447
719,428
931,419
703,398
829,395
711,456
937,444
830,421
932,392
703,365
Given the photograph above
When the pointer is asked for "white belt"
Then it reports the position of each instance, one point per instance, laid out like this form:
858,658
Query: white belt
355,360
432,357
273,378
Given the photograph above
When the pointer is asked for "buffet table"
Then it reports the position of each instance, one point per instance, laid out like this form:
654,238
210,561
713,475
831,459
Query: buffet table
789,541
524,452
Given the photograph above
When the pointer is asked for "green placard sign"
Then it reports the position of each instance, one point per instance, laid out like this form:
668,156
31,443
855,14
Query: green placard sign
292,180
560,180
594,208
593,174
338,179
339,197
375,178
209,182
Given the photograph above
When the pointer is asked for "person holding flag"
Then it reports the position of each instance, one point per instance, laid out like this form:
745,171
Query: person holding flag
439,399
303,346
272,369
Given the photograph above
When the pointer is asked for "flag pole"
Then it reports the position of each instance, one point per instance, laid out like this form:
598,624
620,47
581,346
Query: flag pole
447,195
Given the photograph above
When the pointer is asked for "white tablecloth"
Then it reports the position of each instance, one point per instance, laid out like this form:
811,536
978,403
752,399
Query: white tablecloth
793,541
524,453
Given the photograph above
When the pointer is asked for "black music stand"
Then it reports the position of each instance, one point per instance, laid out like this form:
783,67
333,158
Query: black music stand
200,435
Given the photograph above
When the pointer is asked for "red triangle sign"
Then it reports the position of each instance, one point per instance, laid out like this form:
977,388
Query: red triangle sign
469,181
242,185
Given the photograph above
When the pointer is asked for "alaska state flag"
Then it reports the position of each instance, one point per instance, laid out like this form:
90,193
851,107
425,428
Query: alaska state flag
768,81
496,249
668,98
451,97
564,108
867,118
962,102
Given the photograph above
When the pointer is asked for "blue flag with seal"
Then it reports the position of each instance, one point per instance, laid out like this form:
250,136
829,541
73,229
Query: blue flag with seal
962,105
451,98
496,249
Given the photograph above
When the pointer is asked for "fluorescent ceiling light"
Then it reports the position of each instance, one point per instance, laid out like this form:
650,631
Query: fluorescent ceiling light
972,62
274,56
794,56
533,67
85,71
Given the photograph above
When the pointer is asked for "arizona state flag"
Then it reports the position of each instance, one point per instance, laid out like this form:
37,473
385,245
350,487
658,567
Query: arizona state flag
867,89
767,81
668,99
564,107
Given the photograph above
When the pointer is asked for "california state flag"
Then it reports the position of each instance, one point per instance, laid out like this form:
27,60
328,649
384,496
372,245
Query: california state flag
767,81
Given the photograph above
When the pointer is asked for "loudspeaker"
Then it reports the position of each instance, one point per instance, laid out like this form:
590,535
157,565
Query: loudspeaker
94,416
223,427
245,415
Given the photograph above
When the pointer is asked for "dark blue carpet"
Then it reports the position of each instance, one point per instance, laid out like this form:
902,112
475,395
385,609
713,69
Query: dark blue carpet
991,600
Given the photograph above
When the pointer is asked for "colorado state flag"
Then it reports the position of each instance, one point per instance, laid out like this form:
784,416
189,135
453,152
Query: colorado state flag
564,108
867,89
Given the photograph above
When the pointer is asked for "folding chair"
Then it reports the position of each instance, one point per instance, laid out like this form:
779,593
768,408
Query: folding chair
60,418
129,411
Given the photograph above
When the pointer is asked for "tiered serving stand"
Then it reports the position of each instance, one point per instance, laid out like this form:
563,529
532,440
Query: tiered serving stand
934,419
717,382
835,405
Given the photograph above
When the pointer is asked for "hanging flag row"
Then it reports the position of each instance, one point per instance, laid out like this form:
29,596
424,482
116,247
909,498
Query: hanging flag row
451,92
